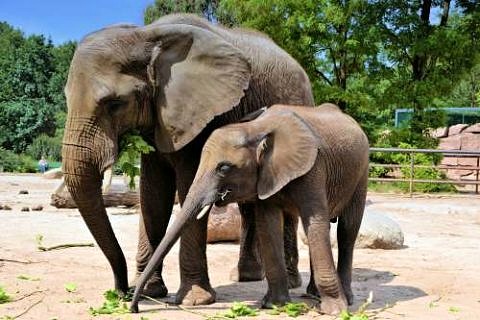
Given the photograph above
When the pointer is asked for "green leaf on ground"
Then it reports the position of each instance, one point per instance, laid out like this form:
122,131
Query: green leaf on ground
454,309
70,287
4,297
113,304
292,309
27,277
240,309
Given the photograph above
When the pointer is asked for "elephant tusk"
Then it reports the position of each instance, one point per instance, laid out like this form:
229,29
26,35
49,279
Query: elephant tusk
107,180
204,211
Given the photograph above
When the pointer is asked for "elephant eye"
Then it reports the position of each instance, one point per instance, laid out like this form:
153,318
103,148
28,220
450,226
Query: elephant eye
115,104
224,167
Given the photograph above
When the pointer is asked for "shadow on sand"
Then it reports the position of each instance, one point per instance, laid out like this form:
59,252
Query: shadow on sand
364,281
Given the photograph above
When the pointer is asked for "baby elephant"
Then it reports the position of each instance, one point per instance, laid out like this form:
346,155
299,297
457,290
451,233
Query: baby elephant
312,162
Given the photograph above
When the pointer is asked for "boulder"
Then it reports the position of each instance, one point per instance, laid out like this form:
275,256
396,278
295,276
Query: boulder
474,128
23,192
456,129
53,174
37,208
224,224
450,143
470,141
440,132
376,232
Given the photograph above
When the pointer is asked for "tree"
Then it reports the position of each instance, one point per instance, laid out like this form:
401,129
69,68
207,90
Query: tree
333,40
425,55
32,69
62,56
22,120
10,40
206,8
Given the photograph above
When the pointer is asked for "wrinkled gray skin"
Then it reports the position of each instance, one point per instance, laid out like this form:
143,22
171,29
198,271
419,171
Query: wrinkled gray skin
314,162
175,81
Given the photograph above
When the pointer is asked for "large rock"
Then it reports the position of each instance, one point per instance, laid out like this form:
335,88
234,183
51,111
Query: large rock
376,232
224,224
457,129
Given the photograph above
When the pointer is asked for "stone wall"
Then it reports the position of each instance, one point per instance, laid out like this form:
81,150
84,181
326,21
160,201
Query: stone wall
459,137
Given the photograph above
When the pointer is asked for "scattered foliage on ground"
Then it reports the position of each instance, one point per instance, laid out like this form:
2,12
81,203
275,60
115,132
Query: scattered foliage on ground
113,304
239,309
292,309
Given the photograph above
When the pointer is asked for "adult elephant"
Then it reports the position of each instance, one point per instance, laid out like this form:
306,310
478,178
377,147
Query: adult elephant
175,81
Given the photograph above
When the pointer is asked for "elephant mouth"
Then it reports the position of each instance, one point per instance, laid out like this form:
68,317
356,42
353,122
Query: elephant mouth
223,197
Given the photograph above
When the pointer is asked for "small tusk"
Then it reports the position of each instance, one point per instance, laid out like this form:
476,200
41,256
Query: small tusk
107,180
204,211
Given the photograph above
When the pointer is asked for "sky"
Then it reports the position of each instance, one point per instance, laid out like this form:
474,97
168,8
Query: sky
64,20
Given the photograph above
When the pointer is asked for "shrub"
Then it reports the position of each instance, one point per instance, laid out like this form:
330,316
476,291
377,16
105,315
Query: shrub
11,162
49,147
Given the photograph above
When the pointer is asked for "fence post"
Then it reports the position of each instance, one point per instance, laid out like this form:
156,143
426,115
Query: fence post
412,164
476,175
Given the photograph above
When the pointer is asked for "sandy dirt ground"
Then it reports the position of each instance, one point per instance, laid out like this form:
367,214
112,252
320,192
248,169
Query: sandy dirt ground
435,276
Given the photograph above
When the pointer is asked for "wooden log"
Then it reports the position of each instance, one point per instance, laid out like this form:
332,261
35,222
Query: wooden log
118,195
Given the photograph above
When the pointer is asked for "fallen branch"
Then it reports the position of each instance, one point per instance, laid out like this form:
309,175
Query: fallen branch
65,246
28,309
17,261
28,295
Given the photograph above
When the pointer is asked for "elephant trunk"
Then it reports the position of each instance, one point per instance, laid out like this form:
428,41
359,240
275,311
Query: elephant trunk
82,169
195,206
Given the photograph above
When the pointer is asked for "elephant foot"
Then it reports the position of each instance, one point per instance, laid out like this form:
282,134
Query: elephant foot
245,271
155,287
333,306
294,280
270,300
196,294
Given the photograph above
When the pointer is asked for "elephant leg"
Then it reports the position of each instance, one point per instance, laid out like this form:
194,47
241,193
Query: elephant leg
157,195
317,226
290,226
195,288
269,221
249,267
347,230
312,287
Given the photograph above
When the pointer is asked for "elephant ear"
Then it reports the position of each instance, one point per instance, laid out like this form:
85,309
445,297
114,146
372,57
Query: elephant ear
196,75
287,150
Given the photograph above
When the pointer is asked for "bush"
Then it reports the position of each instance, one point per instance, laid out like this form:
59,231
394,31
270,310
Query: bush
418,173
49,147
22,120
11,162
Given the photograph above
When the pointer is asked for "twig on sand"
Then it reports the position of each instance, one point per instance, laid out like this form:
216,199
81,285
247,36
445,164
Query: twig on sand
28,295
28,309
17,261
65,246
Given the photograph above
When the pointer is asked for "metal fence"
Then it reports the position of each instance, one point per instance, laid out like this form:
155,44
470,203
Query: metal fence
446,153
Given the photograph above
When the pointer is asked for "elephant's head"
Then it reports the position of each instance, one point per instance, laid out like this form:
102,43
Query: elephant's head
166,80
243,162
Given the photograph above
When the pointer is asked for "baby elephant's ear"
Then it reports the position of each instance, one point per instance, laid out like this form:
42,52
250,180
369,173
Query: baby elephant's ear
287,150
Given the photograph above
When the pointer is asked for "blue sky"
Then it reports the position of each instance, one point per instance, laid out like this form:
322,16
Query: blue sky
64,20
